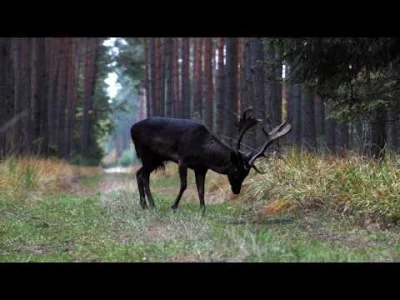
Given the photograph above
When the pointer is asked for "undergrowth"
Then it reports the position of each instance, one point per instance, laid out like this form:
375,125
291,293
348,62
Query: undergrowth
353,187
20,176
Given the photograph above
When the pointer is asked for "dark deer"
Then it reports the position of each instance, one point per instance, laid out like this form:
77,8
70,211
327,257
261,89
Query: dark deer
191,145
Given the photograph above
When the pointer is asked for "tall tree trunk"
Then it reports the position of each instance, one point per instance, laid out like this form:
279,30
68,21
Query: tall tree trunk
259,80
309,142
330,130
342,138
35,122
197,80
248,91
39,97
67,128
378,134
276,104
393,131
175,77
240,73
220,96
16,129
231,89
5,92
74,65
319,118
25,94
153,79
357,138
147,75
55,102
51,102
185,77
220,87
43,94
168,76
63,88
158,78
208,84
273,92
162,105
286,102
295,114
89,59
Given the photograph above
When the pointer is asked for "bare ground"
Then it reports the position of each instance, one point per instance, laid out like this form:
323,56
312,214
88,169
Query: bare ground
116,179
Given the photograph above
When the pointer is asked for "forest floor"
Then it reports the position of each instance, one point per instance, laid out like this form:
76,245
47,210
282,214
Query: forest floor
98,219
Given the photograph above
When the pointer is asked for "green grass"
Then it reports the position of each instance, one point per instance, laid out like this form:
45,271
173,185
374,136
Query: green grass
308,209
91,181
111,227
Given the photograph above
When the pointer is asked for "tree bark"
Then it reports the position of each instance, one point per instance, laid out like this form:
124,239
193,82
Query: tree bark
90,57
378,134
308,120
197,80
231,89
295,114
147,76
342,138
220,87
208,84
185,77
6,93
330,130
168,76
175,78
153,79
157,77
319,118
261,102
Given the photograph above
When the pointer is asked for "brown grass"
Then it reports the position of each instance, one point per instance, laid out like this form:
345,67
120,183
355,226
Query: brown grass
352,186
21,176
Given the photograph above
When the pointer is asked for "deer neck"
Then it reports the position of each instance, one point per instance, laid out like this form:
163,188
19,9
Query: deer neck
219,157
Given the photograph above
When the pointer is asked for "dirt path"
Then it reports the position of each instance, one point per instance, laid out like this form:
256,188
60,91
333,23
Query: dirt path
117,179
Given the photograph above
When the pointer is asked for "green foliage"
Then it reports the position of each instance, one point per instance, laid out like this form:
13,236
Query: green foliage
357,74
101,110
81,160
127,63
127,158
129,59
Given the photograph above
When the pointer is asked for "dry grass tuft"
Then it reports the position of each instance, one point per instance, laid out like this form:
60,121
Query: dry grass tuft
19,177
350,186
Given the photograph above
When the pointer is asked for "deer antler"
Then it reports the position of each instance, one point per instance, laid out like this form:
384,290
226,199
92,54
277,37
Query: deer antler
245,123
276,133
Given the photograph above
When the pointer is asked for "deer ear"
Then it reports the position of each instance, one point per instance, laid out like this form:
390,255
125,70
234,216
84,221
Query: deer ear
234,158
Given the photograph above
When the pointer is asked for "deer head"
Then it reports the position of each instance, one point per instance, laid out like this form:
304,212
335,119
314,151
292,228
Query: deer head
243,162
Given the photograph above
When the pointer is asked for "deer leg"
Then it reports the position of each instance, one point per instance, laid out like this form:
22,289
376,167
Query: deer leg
183,178
200,178
146,180
139,178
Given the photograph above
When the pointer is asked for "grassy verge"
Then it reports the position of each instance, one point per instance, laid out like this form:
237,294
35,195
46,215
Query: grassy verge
303,211
22,178
351,188
113,228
